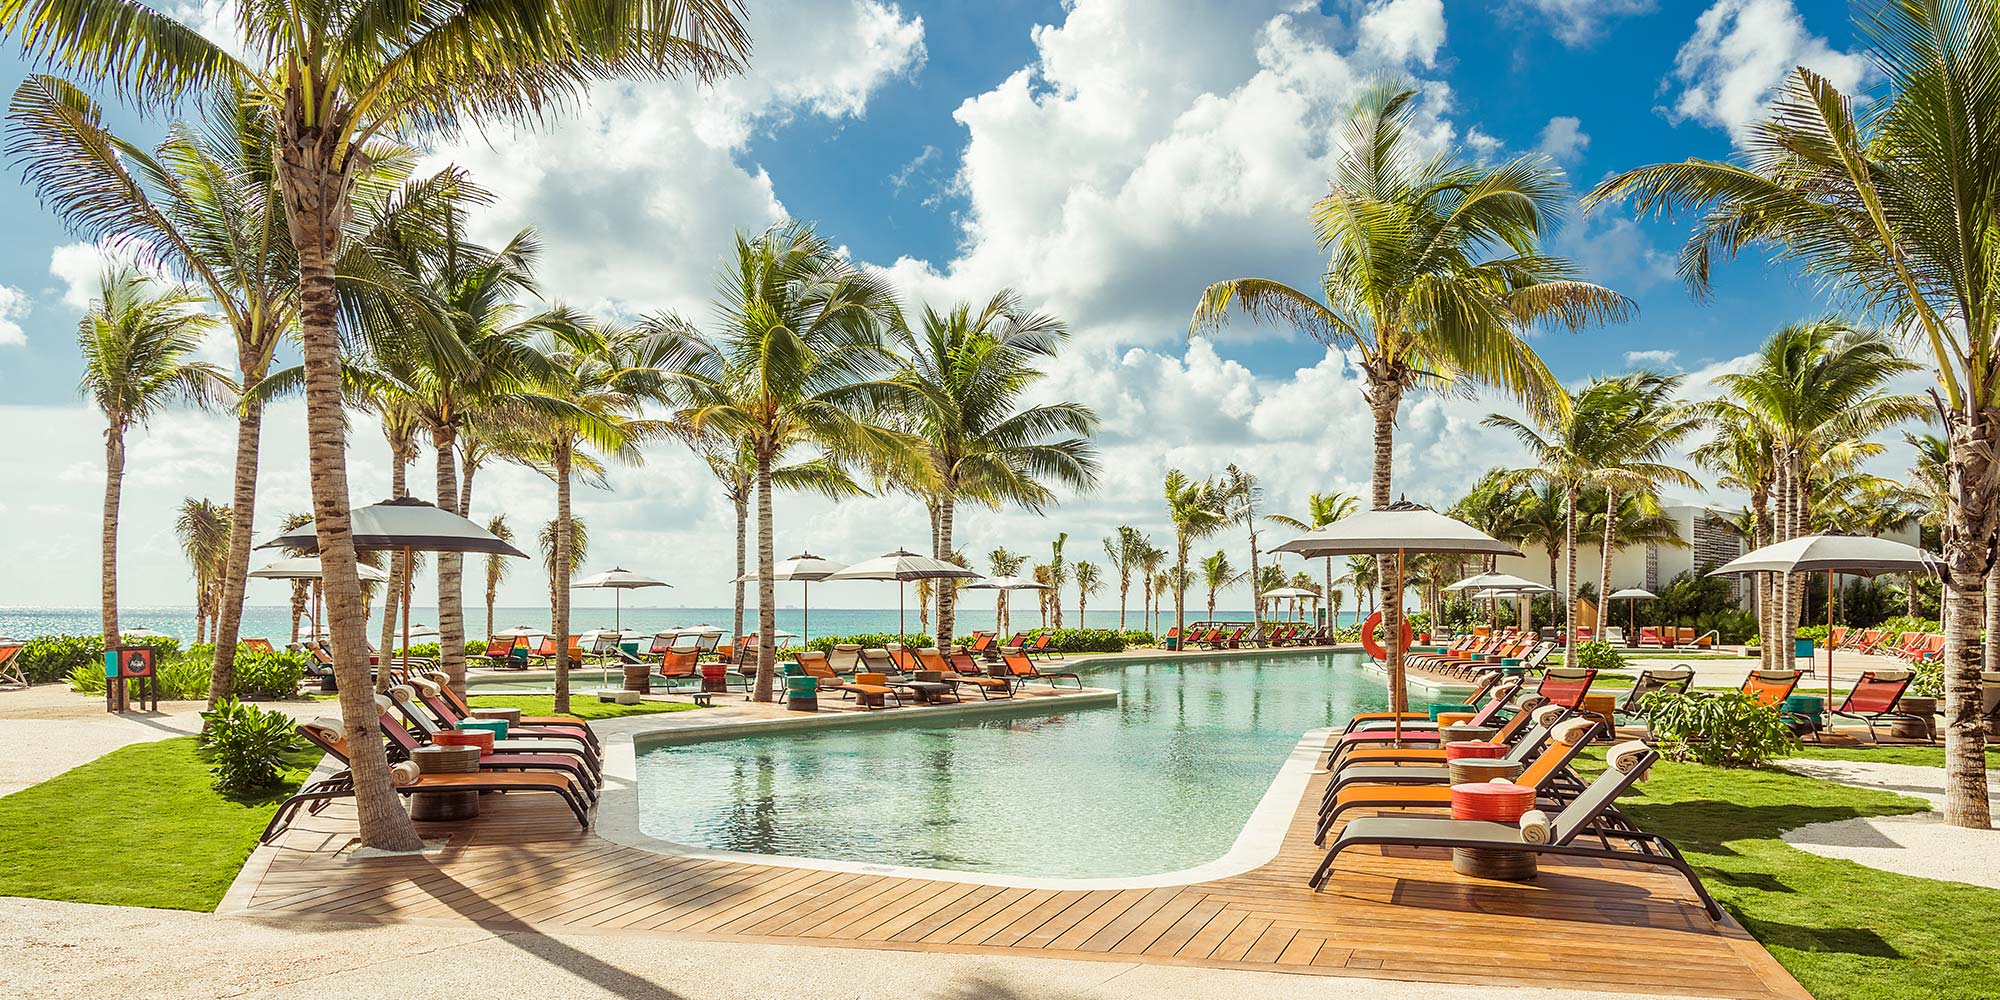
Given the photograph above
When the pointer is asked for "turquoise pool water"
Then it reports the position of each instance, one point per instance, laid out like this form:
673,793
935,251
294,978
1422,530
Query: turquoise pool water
1162,781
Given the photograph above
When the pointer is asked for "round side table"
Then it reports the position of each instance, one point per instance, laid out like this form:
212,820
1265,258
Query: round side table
445,759
1498,804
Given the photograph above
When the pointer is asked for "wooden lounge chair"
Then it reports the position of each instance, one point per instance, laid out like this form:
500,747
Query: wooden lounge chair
427,727
1545,772
1021,670
1584,815
1836,637
872,690
1677,679
1431,768
489,779
1876,697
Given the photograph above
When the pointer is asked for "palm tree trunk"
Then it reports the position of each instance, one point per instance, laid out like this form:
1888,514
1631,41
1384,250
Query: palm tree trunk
399,566
1124,588
451,565
1972,507
1180,584
1609,547
465,492
742,504
561,577
1257,607
114,481
298,607
767,588
947,594
1385,394
316,207
1569,578
1910,596
492,592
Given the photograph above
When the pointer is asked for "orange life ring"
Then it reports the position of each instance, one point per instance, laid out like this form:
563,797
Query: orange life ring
1368,642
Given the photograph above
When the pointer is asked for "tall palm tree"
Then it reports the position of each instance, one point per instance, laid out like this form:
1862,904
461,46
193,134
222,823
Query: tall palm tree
138,342
1216,573
400,425
1197,509
1058,575
579,553
1165,581
1003,563
202,526
1151,558
1436,272
1240,494
1322,509
301,589
960,394
1040,574
1364,574
335,77
1089,581
1123,551
1883,208
794,366
1651,427
496,565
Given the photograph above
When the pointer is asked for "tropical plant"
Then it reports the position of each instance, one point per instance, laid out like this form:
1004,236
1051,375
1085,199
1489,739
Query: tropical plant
496,565
1216,573
1058,575
202,527
139,343
1410,286
1123,551
247,745
1634,460
803,333
1197,509
1717,728
1364,574
1598,655
579,553
1003,563
1089,581
1240,494
1894,209
959,393
1150,558
1322,509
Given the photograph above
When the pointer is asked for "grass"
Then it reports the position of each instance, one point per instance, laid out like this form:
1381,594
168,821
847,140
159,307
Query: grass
1846,931
582,707
140,826
1921,756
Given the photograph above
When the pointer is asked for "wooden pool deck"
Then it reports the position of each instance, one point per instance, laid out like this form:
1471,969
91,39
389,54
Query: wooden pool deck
1401,915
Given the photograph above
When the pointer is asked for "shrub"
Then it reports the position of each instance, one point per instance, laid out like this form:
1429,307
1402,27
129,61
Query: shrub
1083,640
1927,680
266,675
1721,729
877,640
186,676
1135,638
246,744
1817,633
54,657
1893,627
1598,655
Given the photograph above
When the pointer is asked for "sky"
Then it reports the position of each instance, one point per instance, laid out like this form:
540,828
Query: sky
1105,158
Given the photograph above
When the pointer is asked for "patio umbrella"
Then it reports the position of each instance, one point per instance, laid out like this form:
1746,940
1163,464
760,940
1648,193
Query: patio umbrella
1832,553
406,525
1634,595
1295,593
1400,528
617,580
903,566
307,568
1000,585
806,569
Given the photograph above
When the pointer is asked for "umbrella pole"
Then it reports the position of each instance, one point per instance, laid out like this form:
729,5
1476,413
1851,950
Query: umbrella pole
1398,701
899,611
807,628
1829,637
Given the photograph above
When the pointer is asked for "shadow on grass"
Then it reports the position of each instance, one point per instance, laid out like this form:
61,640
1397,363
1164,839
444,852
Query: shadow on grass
1843,940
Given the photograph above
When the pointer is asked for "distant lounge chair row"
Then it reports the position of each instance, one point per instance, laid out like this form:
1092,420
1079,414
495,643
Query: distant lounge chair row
1670,637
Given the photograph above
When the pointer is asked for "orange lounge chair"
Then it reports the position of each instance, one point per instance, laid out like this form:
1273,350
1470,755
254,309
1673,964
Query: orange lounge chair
1869,641
260,645
1551,763
1836,638
1566,686
1021,670
10,664
1042,648
872,690
1771,687
964,670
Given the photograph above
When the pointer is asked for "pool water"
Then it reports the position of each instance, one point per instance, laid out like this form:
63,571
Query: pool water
1164,780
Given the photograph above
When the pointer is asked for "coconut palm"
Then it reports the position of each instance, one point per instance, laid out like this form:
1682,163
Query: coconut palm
1634,461
1197,509
1882,208
960,394
1089,581
400,424
1123,551
203,528
1365,576
1150,558
803,334
1058,575
1322,509
1216,573
496,565
333,78
138,342
1241,493
1166,580
1003,563
579,554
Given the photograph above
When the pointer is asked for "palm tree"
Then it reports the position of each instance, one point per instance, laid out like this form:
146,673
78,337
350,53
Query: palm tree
1058,575
400,424
797,364
1169,579
1406,287
496,566
1197,509
960,393
1240,495
138,343
579,553
1088,582
1267,578
1123,551
1322,509
301,589
333,78
1651,428
1040,574
1151,558
203,528
1216,573
1365,576
1882,209
1003,563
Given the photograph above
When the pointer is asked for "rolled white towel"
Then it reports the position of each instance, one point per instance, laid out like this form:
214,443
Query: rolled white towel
1535,827
1625,756
1547,715
404,773
1573,730
429,687
1499,781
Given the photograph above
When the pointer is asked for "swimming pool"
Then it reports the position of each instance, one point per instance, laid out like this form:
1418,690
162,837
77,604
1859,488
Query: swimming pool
1163,781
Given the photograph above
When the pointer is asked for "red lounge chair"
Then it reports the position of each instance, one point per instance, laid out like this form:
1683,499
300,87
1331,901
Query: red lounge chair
1566,686
1871,640
1650,636
458,709
1771,687
961,670
1042,648
1021,670
1876,697
10,665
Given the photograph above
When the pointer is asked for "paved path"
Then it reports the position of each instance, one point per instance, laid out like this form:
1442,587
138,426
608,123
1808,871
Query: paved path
1920,845
46,730
73,951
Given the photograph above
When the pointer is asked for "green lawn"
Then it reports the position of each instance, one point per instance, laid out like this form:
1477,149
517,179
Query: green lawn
1921,756
580,706
140,826
1847,932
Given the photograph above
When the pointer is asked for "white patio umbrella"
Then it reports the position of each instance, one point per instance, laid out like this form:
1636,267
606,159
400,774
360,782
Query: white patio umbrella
406,525
618,580
1399,529
1294,593
308,568
804,568
1000,585
903,566
1633,595
1833,553
1505,584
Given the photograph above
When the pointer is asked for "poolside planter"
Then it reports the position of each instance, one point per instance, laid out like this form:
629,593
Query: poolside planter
1808,708
1924,726
714,677
498,727
639,677
1438,708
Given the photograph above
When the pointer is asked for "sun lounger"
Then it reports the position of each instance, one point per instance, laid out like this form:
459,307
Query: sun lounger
258,645
1566,686
1480,689
10,664
1545,771
1561,836
684,667
1677,679
962,671
441,685
876,659
1021,670
1876,697
1649,635
1430,768
872,690
565,745
1771,687
844,658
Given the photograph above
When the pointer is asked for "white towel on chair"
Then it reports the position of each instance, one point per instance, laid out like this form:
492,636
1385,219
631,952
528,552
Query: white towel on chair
1535,827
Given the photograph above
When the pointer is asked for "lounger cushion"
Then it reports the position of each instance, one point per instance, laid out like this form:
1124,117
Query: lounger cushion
1422,829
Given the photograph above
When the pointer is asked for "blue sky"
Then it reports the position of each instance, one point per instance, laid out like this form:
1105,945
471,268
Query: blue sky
1106,158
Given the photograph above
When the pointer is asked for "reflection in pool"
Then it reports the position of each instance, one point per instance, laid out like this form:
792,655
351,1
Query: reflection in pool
1163,781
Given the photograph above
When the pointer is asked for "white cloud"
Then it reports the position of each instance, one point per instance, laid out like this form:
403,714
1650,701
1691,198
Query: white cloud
1654,358
901,178
1616,252
1576,22
1404,30
1563,139
1741,52
14,305
1483,146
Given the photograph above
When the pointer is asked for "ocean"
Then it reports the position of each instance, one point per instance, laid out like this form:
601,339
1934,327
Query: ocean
273,622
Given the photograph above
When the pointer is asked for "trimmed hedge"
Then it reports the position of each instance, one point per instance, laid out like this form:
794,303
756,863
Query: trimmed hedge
868,640
186,676
54,657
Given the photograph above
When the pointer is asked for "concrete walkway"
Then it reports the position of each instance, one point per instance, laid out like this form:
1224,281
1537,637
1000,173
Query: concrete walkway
1920,845
48,729
59,951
